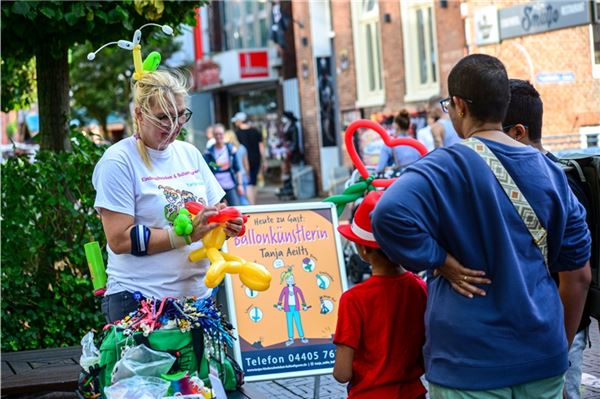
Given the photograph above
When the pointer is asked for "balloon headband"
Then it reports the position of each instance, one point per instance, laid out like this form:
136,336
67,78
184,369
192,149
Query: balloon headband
151,62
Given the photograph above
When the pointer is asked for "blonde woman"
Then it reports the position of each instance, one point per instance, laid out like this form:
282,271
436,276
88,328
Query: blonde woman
141,183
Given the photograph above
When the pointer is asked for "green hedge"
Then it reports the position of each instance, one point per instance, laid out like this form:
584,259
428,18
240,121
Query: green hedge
47,217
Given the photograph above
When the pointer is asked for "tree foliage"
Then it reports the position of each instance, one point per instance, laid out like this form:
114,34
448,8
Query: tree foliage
47,216
47,29
18,84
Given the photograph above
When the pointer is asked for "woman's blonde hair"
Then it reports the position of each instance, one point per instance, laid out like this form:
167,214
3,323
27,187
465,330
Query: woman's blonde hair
159,87
231,137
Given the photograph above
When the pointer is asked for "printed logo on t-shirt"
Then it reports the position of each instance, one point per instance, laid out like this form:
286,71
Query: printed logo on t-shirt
176,199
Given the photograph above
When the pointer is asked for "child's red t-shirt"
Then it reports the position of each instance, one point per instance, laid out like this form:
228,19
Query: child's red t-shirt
382,319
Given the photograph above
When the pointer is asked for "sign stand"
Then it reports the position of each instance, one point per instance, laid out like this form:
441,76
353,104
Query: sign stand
317,387
279,337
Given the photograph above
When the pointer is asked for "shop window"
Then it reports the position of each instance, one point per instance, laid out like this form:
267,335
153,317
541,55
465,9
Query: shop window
420,50
367,53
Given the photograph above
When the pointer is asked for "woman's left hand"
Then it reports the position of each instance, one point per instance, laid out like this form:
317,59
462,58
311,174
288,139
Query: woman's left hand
233,227
463,280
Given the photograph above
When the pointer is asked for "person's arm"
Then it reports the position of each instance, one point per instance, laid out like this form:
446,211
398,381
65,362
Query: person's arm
237,169
347,336
573,263
342,368
573,291
404,222
263,156
437,131
117,228
384,157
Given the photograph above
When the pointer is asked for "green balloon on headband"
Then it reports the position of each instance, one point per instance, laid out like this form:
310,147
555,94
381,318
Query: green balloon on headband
151,62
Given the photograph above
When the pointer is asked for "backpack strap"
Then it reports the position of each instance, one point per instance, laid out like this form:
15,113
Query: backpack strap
524,209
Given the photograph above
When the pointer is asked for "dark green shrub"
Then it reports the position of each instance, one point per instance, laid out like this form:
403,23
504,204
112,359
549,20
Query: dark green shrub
47,217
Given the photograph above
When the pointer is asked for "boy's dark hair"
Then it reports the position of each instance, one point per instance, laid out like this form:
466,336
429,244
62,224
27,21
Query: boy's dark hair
525,107
403,119
482,80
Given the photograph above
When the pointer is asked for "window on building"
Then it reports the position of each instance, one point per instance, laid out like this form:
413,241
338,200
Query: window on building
367,53
595,41
244,24
420,50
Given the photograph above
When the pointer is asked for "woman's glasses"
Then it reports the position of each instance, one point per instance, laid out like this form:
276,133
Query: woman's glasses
165,120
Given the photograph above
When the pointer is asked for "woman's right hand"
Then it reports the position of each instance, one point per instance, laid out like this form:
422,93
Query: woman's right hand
462,279
201,225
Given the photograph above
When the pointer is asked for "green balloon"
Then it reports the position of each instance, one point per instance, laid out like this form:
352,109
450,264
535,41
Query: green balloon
151,62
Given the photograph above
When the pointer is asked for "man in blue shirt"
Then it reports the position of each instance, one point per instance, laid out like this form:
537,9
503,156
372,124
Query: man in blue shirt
523,122
448,208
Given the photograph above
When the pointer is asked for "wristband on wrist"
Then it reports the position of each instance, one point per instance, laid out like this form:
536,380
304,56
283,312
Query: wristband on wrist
178,241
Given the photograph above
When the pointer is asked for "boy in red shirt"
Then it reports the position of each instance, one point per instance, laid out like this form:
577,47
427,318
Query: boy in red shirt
380,329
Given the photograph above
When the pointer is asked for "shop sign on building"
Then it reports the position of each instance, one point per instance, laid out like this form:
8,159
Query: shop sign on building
254,64
235,67
538,17
556,77
486,25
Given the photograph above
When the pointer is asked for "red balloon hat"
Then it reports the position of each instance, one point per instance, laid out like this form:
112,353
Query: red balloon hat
360,231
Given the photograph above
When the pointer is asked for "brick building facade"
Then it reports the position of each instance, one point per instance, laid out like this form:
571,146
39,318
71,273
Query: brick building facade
560,63
387,55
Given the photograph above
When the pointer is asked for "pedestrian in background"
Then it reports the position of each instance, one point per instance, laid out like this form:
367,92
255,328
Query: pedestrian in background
380,330
453,209
253,141
399,156
442,130
222,160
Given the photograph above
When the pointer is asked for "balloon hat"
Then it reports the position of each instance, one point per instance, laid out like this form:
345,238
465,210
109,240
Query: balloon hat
368,183
151,62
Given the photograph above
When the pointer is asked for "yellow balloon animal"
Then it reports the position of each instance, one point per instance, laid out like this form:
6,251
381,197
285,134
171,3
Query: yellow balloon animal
252,275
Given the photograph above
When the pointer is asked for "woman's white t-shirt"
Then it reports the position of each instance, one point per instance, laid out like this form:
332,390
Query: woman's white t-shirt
124,184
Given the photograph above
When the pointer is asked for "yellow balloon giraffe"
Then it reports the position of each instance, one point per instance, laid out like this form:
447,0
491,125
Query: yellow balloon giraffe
252,275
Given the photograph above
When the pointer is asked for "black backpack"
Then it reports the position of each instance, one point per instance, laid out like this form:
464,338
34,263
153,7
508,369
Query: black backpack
585,171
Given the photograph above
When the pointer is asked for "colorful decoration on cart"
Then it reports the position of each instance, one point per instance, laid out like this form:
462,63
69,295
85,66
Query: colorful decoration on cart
171,313
389,141
151,62
252,275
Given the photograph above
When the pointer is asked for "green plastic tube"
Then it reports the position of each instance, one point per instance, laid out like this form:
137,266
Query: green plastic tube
96,265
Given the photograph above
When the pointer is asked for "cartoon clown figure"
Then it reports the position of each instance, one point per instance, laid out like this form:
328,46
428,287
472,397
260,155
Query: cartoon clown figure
289,302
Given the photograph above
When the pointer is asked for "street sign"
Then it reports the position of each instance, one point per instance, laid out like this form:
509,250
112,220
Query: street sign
287,331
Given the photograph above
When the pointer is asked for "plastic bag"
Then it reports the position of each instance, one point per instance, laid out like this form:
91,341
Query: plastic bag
90,355
142,361
137,388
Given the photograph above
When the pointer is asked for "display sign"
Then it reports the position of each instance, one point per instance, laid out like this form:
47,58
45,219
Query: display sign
254,64
287,331
486,25
538,17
